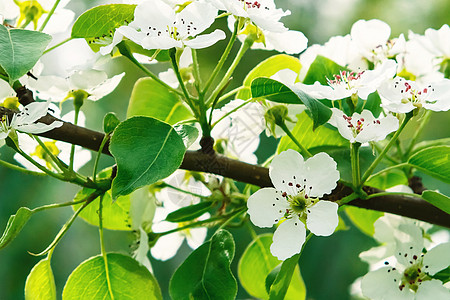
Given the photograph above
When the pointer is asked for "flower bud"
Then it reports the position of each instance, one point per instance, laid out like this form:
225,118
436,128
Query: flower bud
276,115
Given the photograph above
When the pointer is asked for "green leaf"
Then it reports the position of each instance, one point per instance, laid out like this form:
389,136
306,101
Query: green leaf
206,273
129,280
110,122
363,219
151,99
282,281
373,103
437,199
15,225
100,22
255,265
322,137
20,50
146,150
434,161
188,133
389,179
190,212
321,70
277,92
40,284
268,68
426,144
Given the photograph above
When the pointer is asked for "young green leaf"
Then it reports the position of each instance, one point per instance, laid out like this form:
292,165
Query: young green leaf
101,21
110,122
322,137
434,161
277,92
437,199
267,68
189,213
188,133
283,279
14,226
40,284
257,263
321,70
146,150
206,273
20,50
129,280
151,99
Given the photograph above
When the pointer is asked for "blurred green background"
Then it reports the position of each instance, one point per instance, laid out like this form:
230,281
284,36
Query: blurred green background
329,265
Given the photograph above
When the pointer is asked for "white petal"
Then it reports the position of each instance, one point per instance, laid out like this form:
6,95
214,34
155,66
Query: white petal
86,79
266,207
39,127
322,218
370,34
167,246
206,40
117,38
371,80
409,241
437,258
196,237
338,121
287,167
432,289
140,255
318,91
154,13
288,239
321,175
383,285
5,90
291,42
372,131
105,88
197,17
160,42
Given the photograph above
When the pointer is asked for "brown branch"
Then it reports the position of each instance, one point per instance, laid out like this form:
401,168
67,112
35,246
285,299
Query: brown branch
413,207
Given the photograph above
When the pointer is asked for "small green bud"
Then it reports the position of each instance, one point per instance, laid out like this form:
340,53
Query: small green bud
78,98
30,11
276,115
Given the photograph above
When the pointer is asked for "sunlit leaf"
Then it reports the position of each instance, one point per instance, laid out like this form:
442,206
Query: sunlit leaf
434,161
40,284
15,225
437,199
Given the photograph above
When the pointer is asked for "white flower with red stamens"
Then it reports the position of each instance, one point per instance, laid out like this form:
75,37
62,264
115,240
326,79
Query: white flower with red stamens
263,13
401,96
410,277
364,127
294,202
156,25
348,83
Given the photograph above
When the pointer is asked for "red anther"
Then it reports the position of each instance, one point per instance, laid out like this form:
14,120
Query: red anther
425,90
284,194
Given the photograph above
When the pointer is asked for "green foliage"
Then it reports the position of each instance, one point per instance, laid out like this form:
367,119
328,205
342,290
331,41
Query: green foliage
15,225
146,150
188,133
151,99
20,50
268,68
277,92
40,284
363,219
257,263
110,122
387,180
427,144
321,70
437,199
206,273
281,283
129,280
344,166
190,212
321,138
101,21
433,161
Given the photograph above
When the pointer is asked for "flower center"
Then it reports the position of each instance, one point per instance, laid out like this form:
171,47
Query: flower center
358,126
345,78
410,94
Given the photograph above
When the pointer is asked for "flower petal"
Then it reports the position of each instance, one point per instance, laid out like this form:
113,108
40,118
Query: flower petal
321,175
196,237
206,40
291,42
432,289
437,258
286,167
322,218
195,18
266,207
167,246
382,284
288,239
105,88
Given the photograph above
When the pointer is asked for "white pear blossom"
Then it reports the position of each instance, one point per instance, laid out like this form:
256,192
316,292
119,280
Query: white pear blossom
372,39
349,83
167,246
290,41
364,127
60,149
239,132
94,83
263,13
409,276
294,202
27,121
438,42
156,25
401,96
